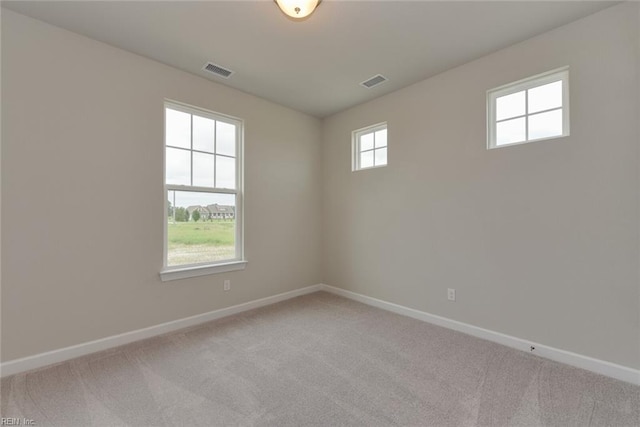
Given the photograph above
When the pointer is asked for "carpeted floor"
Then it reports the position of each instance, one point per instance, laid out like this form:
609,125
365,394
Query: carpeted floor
317,360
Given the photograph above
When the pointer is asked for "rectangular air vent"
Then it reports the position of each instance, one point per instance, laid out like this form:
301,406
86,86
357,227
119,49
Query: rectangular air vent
374,81
217,70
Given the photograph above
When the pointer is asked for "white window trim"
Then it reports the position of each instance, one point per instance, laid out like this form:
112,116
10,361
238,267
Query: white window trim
524,84
203,270
355,146
239,262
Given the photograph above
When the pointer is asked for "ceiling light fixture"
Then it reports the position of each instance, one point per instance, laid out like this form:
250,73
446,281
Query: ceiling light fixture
298,9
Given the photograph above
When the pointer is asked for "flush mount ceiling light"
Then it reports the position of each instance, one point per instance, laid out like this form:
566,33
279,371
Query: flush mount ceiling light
297,9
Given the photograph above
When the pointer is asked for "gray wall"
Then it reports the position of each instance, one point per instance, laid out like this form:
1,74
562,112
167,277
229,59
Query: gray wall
540,240
82,192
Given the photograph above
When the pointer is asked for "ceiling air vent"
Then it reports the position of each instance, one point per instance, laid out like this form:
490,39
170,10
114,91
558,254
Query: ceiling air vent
374,81
217,70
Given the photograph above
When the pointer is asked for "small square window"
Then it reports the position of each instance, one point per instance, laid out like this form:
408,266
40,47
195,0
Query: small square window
369,147
533,109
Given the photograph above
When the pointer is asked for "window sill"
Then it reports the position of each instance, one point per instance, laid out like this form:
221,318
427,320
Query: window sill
492,145
200,270
369,167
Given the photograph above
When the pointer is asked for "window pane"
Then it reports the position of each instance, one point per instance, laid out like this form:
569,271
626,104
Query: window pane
366,142
545,125
177,128
203,168
203,134
225,172
202,228
510,131
225,139
510,106
545,97
381,138
366,159
171,196
178,168
381,156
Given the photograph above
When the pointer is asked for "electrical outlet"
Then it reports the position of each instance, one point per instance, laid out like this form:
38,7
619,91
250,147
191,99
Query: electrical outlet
451,294
227,285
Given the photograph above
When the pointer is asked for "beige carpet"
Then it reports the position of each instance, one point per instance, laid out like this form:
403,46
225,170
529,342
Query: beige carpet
317,360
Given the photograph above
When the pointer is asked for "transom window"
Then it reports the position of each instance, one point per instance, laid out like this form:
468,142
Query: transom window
203,176
369,146
532,109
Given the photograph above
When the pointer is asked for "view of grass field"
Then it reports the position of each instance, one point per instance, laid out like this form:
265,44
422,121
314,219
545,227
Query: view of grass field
203,241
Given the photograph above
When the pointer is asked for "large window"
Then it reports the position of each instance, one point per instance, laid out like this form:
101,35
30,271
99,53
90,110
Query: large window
203,181
369,147
532,109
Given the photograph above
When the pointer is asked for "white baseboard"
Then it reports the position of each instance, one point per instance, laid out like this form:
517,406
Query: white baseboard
580,361
602,367
56,356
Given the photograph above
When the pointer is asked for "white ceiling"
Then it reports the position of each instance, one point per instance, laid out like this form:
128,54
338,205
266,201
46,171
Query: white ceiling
316,65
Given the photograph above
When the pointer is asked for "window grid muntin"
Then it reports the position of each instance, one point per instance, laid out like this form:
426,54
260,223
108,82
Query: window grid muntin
510,118
192,150
356,146
527,115
559,74
237,191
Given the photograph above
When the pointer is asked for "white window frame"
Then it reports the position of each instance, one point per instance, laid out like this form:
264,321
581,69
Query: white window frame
238,262
559,74
356,135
